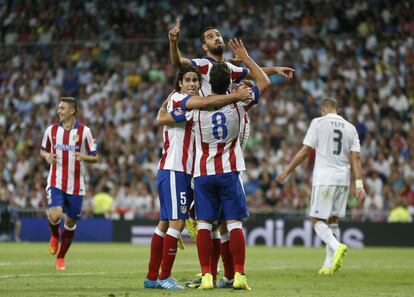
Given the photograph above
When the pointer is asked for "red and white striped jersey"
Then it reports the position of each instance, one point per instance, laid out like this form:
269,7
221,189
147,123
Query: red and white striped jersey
217,140
67,173
178,150
204,66
245,126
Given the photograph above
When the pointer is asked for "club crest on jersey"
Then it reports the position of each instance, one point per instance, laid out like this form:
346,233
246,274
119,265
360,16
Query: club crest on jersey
177,112
183,209
76,138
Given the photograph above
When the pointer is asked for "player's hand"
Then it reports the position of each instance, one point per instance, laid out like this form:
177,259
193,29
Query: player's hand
79,156
243,93
238,48
174,33
51,159
286,72
280,178
360,193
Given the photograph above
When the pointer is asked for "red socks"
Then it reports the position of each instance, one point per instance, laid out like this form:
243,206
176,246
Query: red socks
67,237
169,252
226,256
156,254
54,229
204,246
215,252
237,246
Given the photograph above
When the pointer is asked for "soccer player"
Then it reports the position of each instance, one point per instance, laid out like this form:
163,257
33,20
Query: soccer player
213,45
337,147
174,174
66,146
218,162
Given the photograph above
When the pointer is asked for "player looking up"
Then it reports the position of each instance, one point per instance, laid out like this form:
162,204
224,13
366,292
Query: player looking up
174,174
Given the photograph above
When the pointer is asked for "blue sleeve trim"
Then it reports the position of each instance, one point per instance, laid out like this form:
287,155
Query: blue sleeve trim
242,75
92,153
193,63
178,116
184,102
43,149
255,90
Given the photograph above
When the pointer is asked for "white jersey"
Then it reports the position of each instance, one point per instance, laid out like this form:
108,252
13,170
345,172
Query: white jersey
67,173
217,140
178,147
204,66
333,138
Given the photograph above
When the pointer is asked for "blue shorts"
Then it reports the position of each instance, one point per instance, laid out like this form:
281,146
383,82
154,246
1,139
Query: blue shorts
220,193
175,193
71,204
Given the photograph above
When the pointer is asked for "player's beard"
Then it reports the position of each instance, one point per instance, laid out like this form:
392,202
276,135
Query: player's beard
217,50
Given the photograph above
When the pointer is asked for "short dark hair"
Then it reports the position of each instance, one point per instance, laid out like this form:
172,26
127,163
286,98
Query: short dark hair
330,102
72,101
220,78
203,40
180,75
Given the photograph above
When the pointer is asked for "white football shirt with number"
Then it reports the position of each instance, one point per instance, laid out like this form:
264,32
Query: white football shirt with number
333,138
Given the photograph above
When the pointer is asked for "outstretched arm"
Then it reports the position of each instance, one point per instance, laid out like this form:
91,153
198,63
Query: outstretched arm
262,80
175,55
298,159
198,102
286,72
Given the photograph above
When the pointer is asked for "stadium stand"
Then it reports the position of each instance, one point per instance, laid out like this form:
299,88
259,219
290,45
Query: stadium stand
114,57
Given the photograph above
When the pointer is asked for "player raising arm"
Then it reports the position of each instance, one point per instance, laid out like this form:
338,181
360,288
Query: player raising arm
337,146
174,174
213,45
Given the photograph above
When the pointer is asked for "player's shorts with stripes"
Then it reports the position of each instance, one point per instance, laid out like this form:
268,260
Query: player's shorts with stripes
220,191
71,204
175,193
328,201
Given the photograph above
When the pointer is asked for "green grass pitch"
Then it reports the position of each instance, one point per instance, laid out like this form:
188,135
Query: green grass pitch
118,270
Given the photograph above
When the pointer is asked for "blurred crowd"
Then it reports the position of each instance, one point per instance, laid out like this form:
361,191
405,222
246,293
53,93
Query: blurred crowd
361,52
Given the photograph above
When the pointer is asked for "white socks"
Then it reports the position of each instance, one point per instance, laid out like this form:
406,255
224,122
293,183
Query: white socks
330,252
326,234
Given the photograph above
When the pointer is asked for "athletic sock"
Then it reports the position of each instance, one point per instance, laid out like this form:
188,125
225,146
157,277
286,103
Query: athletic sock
157,242
215,253
54,228
169,251
323,231
67,237
226,256
237,246
204,246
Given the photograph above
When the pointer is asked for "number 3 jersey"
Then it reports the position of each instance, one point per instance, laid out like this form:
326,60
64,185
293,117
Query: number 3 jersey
333,138
217,138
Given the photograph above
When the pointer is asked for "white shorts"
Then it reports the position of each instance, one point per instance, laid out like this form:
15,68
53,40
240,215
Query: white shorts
328,201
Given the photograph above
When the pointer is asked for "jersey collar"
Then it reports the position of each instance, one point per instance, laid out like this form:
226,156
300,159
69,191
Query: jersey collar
212,60
76,126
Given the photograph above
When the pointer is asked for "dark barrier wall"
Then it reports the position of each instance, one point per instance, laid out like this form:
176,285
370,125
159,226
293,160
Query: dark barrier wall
267,230
34,229
278,232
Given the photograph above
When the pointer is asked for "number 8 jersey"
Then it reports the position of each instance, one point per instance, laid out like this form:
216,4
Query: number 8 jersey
217,139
